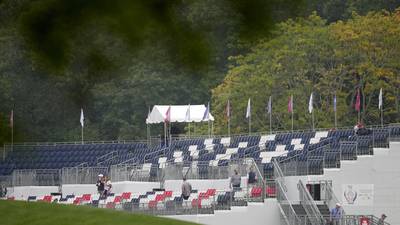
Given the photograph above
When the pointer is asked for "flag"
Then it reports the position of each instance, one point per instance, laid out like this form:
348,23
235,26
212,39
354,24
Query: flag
168,115
358,101
248,111
290,104
310,104
380,99
269,107
12,118
334,103
187,117
228,110
82,118
206,115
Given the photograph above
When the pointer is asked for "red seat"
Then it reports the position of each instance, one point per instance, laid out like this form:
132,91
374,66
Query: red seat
211,192
203,195
86,197
168,193
11,198
126,195
77,201
117,199
152,204
196,203
110,205
47,198
160,198
271,191
256,192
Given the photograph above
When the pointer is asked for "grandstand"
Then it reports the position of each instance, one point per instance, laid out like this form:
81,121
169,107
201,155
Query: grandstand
301,175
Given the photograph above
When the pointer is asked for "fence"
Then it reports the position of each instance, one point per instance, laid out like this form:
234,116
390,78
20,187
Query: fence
309,205
134,172
345,220
81,175
38,177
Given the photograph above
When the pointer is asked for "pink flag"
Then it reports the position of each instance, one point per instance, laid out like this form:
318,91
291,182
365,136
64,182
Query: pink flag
358,101
290,104
168,115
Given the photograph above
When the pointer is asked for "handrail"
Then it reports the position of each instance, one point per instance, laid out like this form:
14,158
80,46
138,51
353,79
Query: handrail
291,217
309,205
331,198
152,153
106,157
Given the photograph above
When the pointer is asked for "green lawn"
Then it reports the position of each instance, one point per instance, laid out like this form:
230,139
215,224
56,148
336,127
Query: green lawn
36,213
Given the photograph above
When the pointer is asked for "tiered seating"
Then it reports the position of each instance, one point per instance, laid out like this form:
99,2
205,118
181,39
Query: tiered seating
63,155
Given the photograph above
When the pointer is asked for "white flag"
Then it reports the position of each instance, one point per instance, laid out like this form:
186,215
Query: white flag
248,111
380,99
187,117
82,118
310,103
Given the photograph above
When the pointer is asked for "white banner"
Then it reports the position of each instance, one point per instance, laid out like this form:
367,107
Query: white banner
358,194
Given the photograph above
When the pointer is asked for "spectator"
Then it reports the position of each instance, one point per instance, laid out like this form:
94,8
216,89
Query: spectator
336,215
235,180
100,184
381,220
252,180
186,189
1,191
107,186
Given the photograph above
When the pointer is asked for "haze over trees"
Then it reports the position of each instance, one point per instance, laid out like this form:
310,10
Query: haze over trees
116,59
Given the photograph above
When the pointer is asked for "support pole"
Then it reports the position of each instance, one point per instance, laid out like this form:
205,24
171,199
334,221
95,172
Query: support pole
270,122
82,134
335,119
382,116
229,126
312,116
292,120
249,124
165,134
189,129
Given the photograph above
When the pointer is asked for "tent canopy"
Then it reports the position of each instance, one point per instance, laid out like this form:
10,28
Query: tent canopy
177,113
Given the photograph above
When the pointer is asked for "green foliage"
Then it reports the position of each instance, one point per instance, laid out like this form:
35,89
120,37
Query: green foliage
309,56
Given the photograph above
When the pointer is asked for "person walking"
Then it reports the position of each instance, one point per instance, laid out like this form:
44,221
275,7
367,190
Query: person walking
100,184
186,189
235,180
107,186
336,215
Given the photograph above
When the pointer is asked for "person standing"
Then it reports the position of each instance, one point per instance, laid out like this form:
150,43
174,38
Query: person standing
107,186
100,184
186,189
381,220
236,180
336,215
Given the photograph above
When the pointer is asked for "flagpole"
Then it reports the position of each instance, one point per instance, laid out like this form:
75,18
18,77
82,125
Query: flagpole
229,126
169,133
82,134
165,134
12,136
189,129
208,125
312,117
249,124
382,115
270,122
335,119
292,120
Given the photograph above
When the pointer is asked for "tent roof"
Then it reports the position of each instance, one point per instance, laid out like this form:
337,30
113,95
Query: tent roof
177,113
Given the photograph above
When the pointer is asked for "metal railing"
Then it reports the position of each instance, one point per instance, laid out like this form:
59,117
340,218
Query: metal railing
330,198
345,220
106,158
287,211
36,177
309,205
81,175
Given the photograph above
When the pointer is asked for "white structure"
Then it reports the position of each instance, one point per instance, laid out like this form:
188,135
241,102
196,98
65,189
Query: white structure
178,114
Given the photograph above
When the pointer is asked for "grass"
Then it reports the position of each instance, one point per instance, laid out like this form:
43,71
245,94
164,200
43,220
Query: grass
39,213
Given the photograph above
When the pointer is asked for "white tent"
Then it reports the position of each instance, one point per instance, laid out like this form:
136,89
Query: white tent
177,113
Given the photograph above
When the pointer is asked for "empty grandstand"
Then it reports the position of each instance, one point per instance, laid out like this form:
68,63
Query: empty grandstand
300,176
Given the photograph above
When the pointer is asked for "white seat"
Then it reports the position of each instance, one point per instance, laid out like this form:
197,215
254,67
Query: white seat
178,160
280,148
321,134
266,160
225,141
315,140
230,151
208,141
222,156
296,141
299,147
177,154
242,144
240,194
146,167
214,162
162,160
192,147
